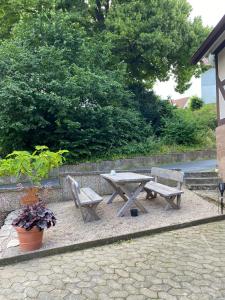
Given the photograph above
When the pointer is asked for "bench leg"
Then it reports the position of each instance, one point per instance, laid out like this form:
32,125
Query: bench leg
91,214
171,203
150,194
178,201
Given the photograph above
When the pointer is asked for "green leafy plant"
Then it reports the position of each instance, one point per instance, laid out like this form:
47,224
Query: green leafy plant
78,74
196,103
35,166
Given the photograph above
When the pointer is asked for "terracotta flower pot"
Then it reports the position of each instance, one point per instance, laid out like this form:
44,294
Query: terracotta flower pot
30,239
31,196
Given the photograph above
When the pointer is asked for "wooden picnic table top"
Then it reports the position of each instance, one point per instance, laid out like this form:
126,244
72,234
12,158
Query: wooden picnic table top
127,177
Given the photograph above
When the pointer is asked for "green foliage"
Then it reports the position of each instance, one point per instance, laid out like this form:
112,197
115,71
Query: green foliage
43,88
196,103
103,130
181,131
191,128
12,11
155,39
206,117
78,74
152,108
35,166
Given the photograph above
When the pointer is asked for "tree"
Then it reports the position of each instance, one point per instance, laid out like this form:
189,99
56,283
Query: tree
152,108
12,11
154,38
59,89
78,74
196,103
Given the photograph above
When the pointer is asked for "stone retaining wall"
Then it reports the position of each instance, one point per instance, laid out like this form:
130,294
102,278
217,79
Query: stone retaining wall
88,174
10,198
141,162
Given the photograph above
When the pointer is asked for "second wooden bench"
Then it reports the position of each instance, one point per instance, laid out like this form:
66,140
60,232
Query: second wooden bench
169,193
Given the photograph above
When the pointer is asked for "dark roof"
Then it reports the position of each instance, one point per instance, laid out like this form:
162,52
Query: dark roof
213,36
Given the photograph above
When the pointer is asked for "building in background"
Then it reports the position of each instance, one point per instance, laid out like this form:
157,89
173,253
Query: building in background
180,103
213,48
208,86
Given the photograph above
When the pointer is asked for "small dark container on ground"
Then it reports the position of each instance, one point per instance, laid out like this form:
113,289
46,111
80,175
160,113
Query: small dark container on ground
134,212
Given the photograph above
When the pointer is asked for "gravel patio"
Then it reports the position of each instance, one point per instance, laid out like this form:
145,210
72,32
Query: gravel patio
70,228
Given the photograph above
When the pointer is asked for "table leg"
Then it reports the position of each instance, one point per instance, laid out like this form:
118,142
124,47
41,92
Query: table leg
132,198
118,191
140,206
112,197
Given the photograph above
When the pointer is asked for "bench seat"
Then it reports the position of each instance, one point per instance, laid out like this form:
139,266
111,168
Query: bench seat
169,193
85,199
163,190
88,196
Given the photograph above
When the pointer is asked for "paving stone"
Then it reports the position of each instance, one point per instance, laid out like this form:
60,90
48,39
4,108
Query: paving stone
13,243
118,294
5,292
135,297
45,296
4,234
174,265
166,296
5,283
148,293
137,277
31,292
122,273
179,292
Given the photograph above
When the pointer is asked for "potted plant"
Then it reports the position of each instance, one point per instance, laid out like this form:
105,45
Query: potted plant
30,225
33,167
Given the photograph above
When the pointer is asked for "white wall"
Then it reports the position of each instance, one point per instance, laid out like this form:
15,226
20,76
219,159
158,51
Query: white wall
221,74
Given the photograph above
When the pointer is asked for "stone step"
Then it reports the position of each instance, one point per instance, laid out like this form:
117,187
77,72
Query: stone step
200,174
202,186
202,180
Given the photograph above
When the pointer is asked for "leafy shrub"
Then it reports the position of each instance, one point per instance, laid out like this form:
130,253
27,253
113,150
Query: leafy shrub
35,166
206,116
196,103
102,130
181,130
153,109
144,147
36,215
189,127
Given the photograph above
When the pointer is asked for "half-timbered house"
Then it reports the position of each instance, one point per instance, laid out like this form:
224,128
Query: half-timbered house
213,48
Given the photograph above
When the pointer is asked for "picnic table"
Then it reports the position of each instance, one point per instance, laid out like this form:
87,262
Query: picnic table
128,186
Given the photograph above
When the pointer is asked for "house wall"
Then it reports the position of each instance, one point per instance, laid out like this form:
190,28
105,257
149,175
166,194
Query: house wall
220,131
220,140
221,76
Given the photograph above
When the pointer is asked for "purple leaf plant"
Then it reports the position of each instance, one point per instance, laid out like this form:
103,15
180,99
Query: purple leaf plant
35,215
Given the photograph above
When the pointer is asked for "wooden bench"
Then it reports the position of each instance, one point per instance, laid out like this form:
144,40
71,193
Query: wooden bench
169,193
85,199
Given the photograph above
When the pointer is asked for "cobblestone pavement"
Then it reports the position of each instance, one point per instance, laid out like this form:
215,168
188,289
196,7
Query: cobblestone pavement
183,264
